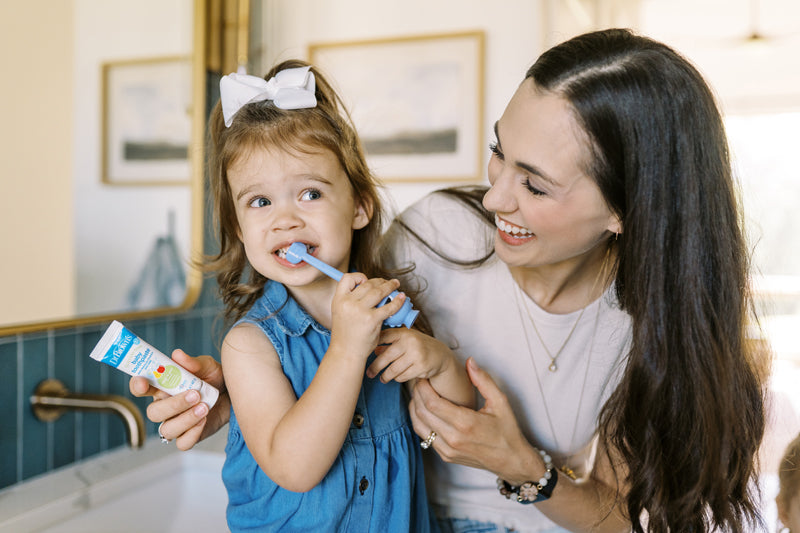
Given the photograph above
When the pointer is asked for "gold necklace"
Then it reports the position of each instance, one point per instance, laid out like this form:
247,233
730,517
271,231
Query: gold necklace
553,366
565,467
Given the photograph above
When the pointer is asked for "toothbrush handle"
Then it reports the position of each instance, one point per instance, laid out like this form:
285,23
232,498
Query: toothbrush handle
323,267
404,317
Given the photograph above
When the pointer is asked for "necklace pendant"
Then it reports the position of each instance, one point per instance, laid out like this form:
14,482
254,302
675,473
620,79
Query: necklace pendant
569,472
552,367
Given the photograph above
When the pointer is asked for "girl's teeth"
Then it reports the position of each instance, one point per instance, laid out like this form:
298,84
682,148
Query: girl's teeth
281,252
510,228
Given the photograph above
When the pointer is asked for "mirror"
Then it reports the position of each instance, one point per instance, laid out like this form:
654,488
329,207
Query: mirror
101,190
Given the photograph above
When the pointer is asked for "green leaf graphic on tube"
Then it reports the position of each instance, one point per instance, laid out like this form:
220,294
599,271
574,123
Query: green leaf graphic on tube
170,378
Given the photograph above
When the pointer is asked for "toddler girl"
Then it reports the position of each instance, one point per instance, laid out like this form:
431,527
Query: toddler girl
788,498
313,445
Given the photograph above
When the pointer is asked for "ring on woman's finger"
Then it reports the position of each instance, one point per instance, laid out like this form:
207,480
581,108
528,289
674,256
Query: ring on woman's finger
427,443
164,440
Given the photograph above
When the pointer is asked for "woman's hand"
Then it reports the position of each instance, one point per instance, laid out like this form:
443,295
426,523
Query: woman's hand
489,439
184,417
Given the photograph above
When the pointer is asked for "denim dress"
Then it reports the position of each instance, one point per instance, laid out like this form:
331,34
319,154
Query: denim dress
376,483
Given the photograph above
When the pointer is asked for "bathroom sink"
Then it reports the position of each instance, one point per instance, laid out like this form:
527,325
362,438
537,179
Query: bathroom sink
155,489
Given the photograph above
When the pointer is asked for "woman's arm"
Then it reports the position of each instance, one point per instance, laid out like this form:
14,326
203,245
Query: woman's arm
406,355
490,439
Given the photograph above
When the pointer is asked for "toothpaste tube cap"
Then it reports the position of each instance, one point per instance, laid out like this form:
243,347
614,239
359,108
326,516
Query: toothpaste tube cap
208,394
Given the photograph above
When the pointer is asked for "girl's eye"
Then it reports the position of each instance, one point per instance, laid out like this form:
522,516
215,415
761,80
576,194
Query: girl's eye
495,150
311,194
260,202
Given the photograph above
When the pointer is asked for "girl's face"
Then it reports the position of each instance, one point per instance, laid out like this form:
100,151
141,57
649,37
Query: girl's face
547,210
282,197
789,515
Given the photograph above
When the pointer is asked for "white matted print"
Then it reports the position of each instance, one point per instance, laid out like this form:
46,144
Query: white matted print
147,121
417,102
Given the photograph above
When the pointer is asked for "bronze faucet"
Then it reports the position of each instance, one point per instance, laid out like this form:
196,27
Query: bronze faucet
52,398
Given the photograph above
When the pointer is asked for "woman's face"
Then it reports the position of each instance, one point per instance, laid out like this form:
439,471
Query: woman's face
548,211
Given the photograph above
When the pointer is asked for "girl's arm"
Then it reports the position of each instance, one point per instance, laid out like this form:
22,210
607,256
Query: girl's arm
490,439
406,355
296,440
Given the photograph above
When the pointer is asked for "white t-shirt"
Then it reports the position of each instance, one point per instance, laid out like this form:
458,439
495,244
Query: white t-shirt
480,312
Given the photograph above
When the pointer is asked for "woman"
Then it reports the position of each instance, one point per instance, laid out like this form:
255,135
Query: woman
611,315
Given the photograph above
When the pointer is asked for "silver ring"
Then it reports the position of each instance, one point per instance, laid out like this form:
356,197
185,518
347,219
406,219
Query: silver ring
164,440
427,443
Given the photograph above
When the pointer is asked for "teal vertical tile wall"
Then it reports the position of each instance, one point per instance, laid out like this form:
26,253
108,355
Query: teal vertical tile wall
29,447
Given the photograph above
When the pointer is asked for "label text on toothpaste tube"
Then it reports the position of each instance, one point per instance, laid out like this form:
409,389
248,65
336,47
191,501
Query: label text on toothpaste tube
119,350
141,359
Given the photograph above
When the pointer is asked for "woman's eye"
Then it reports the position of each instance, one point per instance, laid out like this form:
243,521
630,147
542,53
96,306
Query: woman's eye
495,150
260,202
536,192
311,194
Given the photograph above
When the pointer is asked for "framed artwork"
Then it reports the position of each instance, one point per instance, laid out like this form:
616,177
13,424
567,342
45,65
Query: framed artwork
417,102
147,121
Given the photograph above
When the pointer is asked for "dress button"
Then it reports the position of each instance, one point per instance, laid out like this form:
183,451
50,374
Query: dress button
363,485
358,420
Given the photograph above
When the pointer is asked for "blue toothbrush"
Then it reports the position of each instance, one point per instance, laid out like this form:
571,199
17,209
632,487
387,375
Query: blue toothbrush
298,252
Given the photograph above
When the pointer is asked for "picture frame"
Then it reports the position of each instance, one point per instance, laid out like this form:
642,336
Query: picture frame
416,102
147,121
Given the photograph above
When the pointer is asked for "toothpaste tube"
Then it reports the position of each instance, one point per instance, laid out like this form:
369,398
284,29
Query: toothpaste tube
123,350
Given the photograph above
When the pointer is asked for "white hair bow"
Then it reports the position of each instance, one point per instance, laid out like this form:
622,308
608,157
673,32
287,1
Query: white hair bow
292,88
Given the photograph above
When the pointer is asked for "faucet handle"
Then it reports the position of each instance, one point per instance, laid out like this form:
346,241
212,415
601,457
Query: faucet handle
52,398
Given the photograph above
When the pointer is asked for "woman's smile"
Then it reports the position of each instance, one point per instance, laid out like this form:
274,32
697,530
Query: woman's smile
511,233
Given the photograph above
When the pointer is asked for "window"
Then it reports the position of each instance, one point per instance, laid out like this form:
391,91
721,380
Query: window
767,163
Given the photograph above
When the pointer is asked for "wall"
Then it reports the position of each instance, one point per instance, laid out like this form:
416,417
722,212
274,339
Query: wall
749,75
112,217
53,203
513,40
35,160
29,447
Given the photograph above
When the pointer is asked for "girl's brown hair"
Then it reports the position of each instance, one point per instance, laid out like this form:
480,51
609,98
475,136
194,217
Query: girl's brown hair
789,474
261,125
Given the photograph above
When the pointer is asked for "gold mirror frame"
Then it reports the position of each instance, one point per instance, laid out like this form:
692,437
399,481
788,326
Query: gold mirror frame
194,278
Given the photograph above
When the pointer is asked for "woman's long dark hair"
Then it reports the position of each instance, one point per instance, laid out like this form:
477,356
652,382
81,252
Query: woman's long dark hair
688,415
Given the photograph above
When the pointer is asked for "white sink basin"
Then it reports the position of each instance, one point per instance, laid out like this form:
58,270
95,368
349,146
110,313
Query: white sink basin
154,489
